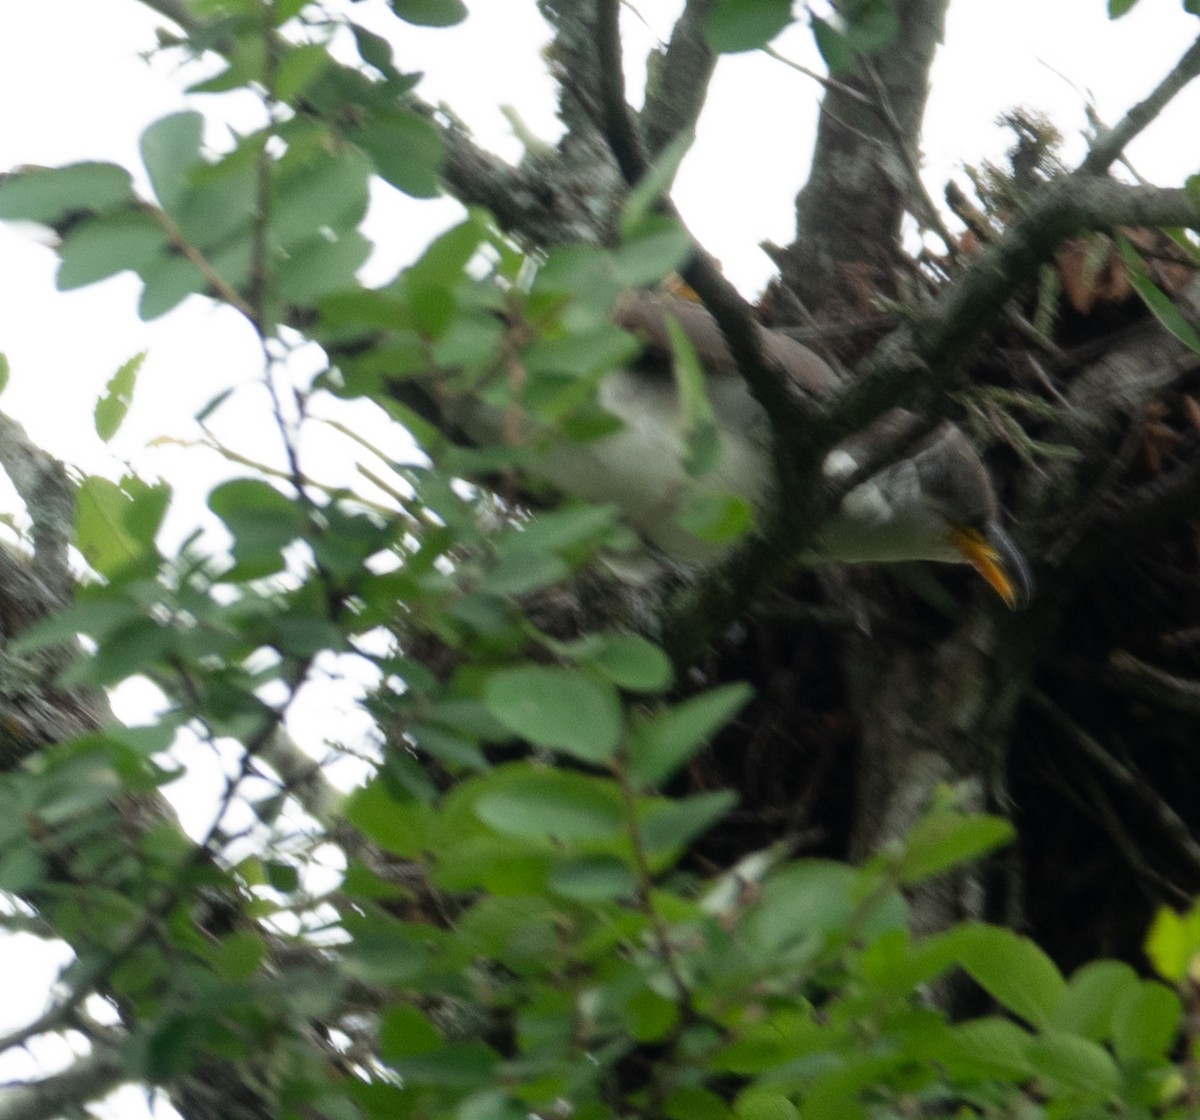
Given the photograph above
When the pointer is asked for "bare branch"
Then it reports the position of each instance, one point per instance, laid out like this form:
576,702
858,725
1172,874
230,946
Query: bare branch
65,1093
1155,685
929,215
1111,144
43,485
1068,207
849,212
1169,822
616,117
677,80
720,297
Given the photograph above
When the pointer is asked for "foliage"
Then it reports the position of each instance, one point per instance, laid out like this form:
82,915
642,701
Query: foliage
518,924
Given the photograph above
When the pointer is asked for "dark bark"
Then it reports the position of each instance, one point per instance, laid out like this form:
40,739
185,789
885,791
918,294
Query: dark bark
848,214
677,79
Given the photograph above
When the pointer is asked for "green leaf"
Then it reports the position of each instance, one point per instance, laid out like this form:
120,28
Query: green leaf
523,572
127,650
1117,8
406,150
431,283
1156,300
318,191
746,25
262,522
816,896
566,532
96,618
448,747
897,967
759,1103
592,878
118,395
283,877
663,743
4,372
237,955
404,1031
581,353
654,186
247,57
1173,942
523,800
283,10
170,149
871,26
630,662
715,518
670,826
658,245
1076,1063
1092,994
115,524
562,709
430,13
1012,970
989,1047
43,194
298,67
385,952
402,827
458,1065
107,244
21,869
698,425
221,199
168,281
1145,1020
650,1017
946,839
689,1102
834,46
321,267
493,863
373,49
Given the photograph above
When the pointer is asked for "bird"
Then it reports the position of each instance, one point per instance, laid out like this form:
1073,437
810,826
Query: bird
936,503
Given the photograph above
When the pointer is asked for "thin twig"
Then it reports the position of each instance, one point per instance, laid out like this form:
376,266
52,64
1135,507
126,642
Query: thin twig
1154,684
645,887
217,285
718,295
823,80
883,106
1169,822
259,248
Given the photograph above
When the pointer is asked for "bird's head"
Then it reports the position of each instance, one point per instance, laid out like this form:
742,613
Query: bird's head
936,503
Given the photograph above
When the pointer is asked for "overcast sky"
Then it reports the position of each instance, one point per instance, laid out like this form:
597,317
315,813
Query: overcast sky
74,88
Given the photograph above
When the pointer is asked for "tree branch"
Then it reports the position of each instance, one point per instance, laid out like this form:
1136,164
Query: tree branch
65,1093
1151,683
849,211
616,117
678,78
1074,205
1108,147
1170,824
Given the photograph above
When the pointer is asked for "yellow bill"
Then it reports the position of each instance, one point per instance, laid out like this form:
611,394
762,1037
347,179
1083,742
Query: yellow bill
994,556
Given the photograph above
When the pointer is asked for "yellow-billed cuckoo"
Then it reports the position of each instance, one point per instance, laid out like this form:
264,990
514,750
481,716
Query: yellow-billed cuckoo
937,503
